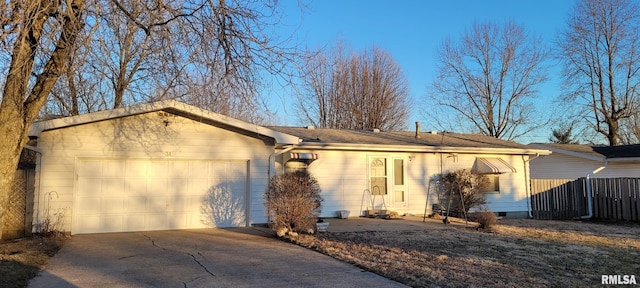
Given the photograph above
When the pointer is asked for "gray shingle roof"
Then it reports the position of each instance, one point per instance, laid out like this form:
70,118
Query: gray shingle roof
364,137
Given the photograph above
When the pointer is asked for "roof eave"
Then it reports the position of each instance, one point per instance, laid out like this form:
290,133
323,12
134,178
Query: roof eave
39,127
571,153
422,148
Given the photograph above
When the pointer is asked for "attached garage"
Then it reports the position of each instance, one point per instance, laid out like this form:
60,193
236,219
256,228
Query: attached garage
156,166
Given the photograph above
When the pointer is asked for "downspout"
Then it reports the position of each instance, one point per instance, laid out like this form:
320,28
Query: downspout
528,183
589,194
274,154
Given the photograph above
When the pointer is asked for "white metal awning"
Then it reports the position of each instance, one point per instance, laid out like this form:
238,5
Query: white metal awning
492,166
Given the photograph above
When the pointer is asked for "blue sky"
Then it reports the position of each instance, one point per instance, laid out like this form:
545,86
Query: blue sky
411,31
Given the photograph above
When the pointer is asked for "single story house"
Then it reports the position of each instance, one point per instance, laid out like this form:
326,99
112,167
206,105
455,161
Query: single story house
168,165
572,161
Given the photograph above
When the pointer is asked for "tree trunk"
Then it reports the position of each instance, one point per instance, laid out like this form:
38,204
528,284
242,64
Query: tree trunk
11,142
20,107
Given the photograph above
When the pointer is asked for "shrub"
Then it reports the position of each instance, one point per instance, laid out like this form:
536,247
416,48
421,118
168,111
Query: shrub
486,219
464,189
293,202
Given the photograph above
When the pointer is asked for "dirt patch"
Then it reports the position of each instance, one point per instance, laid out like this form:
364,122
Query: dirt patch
515,253
21,259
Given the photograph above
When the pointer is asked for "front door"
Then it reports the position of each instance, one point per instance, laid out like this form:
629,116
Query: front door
399,186
388,181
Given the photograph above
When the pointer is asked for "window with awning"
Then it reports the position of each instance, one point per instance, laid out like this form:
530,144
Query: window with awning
492,166
299,161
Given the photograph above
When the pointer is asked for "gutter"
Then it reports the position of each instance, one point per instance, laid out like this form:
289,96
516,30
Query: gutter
421,148
274,154
528,181
589,192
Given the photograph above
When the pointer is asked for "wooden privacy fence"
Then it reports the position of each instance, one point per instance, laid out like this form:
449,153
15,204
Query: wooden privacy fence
563,199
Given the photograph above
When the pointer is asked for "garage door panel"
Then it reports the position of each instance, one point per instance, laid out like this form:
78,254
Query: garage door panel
90,168
177,186
138,186
238,170
110,186
158,169
156,203
90,205
112,205
112,223
194,202
90,186
136,204
134,222
178,221
178,203
136,168
199,169
179,169
156,221
89,223
156,187
144,194
113,168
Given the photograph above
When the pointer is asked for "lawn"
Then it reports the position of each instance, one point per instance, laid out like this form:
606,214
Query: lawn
522,253
21,259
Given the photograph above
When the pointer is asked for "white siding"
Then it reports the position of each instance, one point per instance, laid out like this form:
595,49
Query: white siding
559,166
343,177
143,136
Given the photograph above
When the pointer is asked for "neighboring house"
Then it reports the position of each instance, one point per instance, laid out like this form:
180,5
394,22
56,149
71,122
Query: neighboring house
572,161
168,165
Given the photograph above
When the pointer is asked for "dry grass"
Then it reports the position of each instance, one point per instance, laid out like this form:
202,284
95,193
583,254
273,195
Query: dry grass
21,259
520,253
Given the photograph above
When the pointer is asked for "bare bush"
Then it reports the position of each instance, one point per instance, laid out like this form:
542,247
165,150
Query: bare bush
485,218
463,190
293,202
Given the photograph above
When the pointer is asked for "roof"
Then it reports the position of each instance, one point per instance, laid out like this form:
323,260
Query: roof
170,106
437,142
597,153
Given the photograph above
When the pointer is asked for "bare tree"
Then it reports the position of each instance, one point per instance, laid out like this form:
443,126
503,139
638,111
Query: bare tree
212,54
599,52
354,91
488,78
39,40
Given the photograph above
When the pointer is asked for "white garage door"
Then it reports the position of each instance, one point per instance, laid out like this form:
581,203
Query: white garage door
115,195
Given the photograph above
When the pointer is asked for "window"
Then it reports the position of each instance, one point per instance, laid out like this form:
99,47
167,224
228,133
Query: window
378,176
398,181
494,183
293,165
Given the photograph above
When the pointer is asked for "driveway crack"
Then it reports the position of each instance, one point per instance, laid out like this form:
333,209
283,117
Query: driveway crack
200,263
195,259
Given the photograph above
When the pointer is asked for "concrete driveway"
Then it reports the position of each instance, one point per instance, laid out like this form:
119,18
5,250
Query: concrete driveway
239,257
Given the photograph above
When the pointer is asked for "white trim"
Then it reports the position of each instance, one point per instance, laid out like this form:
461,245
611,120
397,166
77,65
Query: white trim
197,113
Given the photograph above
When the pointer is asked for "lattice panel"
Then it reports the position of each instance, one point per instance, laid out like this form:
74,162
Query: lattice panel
14,219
